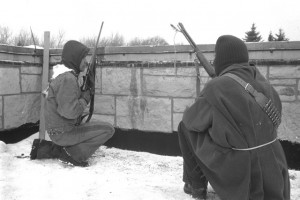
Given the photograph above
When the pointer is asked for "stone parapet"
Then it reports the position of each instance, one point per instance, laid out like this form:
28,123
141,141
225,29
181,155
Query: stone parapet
146,88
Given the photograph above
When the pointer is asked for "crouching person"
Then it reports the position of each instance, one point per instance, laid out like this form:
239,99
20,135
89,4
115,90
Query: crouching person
226,138
64,104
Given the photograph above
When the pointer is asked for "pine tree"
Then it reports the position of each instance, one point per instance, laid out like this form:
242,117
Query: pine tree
253,35
281,36
271,37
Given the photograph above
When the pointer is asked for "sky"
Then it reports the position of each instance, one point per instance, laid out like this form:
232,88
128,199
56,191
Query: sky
205,20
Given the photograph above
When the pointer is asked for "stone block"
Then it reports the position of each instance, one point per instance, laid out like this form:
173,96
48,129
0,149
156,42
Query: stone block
290,126
180,104
203,81
104,104
31,70
203,72
298,88
263,70
178,71
149,114
1,113
103,118
283,81
9,81
31,83
21,109
121,81
169,86
284,72
286,93
177,117
186,71
98,83
159,71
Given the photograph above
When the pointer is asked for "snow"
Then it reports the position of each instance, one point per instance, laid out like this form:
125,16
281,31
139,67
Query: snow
113,174
59,69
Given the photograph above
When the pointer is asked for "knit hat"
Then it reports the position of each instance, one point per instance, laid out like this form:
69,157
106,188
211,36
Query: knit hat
229,50
72,55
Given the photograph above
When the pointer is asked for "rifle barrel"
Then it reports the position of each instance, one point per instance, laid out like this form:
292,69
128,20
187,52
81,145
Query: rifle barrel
207,66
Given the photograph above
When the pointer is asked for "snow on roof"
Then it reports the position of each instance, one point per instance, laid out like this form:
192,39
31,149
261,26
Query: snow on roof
34,47
113,174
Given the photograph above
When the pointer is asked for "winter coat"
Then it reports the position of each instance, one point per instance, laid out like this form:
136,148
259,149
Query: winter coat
63,103
225,116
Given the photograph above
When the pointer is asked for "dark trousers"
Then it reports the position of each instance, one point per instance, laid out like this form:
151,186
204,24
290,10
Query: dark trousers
192,173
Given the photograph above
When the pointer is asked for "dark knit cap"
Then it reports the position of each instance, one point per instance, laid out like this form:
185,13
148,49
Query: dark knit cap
229,50
73,53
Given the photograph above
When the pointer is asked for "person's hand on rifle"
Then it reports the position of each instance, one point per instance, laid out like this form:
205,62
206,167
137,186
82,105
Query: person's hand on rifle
86,95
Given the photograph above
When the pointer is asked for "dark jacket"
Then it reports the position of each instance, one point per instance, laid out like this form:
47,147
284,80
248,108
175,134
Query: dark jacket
224,117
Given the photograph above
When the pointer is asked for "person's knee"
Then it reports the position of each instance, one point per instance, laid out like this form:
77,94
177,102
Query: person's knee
110,130
181,127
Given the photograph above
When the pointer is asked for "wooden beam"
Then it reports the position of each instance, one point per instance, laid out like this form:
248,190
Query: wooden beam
45,80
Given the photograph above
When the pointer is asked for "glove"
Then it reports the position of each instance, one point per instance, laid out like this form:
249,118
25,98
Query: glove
86,95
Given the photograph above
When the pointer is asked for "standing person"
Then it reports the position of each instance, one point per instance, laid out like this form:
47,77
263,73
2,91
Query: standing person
226,138
64,105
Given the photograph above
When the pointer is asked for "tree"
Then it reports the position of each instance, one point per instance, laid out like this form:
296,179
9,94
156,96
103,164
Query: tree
113,40
271,37
5,35
281,36
252,35
57,41
155,41
23,38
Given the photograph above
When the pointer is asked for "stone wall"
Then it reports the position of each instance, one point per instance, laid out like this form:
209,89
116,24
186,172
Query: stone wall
146,88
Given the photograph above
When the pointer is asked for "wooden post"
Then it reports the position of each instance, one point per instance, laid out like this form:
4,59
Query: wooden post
45,80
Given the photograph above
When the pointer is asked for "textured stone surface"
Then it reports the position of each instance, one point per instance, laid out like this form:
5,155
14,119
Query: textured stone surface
263,70
159,71
1,113
104,104
153,114
121,81
179,71
180,104
104,118
203,81
290,125
286,93
98,84
298,88
169,86
31,70
31,83
21,109
9,81
285,72
283,82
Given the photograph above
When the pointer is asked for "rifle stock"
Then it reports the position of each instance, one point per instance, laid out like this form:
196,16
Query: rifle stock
206,64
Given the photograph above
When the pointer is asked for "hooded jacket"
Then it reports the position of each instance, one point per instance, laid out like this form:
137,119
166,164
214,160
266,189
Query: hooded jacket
63,102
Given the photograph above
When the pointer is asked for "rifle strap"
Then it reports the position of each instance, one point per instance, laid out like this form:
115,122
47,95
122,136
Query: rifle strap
266,104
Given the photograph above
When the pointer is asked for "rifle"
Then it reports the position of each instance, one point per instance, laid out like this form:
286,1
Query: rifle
207,66
89,81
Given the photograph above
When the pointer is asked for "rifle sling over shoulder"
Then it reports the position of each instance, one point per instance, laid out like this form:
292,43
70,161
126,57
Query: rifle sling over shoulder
266,104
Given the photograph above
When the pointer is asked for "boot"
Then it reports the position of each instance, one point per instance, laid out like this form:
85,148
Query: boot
66,158
34,148
43,149
197,193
